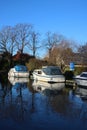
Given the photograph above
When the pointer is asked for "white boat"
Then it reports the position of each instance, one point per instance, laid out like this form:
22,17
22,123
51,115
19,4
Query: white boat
49,74
41,86
14,80
81,79
18,71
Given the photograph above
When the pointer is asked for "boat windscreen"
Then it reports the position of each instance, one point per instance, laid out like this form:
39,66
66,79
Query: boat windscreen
52,71
84,75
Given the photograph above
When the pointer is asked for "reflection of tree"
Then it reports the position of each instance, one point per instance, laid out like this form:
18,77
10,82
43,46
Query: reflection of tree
32,103
5,88
18,101
11,105
69,106
32,96
21,105
60,103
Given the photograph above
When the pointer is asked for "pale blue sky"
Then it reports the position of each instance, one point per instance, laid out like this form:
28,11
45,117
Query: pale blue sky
66,17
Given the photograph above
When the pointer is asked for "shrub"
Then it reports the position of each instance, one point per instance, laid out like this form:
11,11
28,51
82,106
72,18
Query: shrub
69,75
35,64
78,70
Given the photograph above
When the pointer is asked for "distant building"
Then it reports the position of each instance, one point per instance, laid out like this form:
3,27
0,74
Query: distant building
22,57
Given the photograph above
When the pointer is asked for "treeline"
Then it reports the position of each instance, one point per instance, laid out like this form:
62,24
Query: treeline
24,38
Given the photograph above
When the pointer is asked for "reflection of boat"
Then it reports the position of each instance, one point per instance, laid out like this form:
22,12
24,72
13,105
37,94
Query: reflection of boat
82,92
81,79
19,71
43,86
14,80
49,74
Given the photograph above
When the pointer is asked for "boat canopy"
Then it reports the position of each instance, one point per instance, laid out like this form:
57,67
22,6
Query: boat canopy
21,68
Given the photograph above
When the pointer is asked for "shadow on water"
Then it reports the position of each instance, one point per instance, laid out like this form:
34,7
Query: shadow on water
27,104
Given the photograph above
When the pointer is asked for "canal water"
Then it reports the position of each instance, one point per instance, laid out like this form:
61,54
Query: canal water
27,104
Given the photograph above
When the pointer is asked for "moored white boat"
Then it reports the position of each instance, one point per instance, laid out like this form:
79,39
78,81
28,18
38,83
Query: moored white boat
49,74
81,79
18,71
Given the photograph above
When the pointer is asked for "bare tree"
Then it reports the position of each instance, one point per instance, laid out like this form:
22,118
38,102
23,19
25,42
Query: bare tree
4,39
23,32
34,42
83,49
62,53
82,52
7,39
7,42
12,37
52,39
66,51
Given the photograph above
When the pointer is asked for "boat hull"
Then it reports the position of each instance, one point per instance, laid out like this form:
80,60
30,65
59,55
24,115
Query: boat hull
48,78
18,74
14,73
81,82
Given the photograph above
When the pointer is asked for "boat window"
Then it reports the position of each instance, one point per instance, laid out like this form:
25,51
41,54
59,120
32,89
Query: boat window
39,72
83,75
56,72
52,71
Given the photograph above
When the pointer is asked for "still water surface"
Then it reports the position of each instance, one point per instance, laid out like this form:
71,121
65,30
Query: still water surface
26,104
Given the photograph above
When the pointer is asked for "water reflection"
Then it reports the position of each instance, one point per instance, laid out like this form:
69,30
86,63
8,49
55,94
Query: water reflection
38,105
47,88
81,92
14,80
14,100
63,101
5,87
